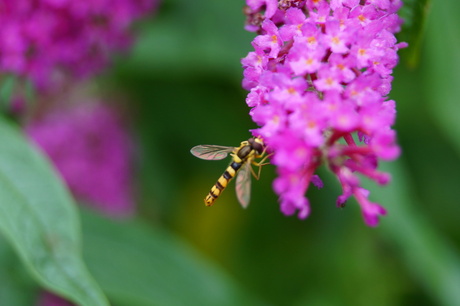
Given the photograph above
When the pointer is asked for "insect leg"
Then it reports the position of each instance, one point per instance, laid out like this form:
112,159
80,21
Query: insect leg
260,164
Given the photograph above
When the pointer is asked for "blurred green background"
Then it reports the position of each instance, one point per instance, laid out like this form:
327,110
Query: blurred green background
182,84
183,79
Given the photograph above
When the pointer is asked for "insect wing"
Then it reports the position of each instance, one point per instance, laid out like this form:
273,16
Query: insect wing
243,185
211,152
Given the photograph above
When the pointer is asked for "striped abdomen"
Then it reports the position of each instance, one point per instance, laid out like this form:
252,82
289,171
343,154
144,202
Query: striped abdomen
222,183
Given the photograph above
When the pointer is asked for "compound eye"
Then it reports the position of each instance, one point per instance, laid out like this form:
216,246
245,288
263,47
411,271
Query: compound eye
259,147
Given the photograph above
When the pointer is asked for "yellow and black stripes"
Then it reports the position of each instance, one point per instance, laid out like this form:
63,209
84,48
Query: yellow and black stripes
222,183
242,156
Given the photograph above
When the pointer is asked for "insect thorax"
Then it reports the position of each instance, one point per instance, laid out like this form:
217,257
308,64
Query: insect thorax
253,147
244,152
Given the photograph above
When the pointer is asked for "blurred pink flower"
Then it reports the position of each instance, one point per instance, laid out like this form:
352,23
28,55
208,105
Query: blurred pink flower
50,299
92,151
319,77
40,37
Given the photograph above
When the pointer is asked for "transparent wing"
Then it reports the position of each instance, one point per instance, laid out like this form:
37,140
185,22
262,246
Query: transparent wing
243,185
211,152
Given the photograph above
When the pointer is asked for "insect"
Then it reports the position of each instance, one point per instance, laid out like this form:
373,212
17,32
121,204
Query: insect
242,158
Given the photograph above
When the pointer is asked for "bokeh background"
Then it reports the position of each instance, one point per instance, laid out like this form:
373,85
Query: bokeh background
180,86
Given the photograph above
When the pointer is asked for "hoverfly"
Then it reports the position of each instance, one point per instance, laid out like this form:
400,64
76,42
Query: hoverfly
242,158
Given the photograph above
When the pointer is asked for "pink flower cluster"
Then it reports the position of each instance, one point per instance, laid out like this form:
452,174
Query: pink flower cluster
39,37
318,79
93,153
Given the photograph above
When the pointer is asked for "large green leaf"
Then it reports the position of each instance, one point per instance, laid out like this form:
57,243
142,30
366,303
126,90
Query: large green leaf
16,287
139,265
38,218
425,251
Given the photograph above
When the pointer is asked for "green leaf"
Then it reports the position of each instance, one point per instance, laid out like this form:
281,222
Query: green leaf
139,265
424,250
38,217
16,286
414,13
